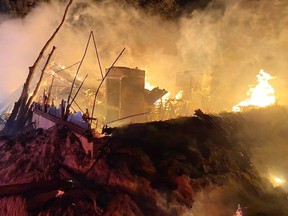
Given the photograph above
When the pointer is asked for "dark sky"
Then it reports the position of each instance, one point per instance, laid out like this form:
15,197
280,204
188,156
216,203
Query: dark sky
167,8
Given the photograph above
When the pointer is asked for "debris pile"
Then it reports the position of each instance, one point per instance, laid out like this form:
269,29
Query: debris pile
156,168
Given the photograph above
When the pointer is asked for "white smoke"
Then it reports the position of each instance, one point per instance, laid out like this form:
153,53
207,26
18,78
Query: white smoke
20,42
232,40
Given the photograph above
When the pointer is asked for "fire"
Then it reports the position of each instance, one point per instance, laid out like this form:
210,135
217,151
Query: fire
262,95
148,85
239,211
277,181
60,193
167,96
179,95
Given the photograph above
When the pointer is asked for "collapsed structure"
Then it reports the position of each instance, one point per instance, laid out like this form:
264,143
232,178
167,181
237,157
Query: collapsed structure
125,99
195,86
156,168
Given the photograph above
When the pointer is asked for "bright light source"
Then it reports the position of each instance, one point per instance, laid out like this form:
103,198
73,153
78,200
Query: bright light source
261,95
148,85
277,181
179,95
60,193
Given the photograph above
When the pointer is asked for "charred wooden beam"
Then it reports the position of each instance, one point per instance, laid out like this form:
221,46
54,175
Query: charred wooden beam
87,191
13,189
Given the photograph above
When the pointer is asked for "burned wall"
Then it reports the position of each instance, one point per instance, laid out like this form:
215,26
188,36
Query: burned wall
125,94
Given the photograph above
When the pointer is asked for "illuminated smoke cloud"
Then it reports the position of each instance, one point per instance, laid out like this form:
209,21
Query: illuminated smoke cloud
232,40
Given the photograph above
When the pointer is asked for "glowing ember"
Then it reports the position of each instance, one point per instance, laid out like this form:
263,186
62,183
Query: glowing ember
239,211
166,97
62,67
148,85
262,95
179,95
277,181
60,193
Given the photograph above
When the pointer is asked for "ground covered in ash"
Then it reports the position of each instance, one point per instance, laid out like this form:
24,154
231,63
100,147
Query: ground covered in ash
198,165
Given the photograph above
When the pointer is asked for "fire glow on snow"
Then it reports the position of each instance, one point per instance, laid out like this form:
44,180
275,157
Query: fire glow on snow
262,95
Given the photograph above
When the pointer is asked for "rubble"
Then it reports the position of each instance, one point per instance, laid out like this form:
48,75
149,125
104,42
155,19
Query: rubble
156,168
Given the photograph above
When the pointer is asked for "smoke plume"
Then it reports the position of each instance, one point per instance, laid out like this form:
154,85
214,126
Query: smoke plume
231,40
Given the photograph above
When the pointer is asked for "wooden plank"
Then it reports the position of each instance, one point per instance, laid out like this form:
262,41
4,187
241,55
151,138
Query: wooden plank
13,189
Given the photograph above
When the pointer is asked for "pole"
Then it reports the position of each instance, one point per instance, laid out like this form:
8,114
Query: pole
96,50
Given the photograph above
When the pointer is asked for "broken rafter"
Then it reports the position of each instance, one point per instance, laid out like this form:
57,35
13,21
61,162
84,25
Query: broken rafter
96,50
91,35
78,69
40,79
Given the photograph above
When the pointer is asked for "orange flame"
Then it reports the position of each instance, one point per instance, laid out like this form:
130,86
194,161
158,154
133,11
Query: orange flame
60,193
179,95
262,95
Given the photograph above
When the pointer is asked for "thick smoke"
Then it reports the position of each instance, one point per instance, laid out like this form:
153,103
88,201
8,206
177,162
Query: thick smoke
232,40
20,43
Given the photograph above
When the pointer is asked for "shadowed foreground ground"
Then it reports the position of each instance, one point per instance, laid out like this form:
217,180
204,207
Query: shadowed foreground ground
187,166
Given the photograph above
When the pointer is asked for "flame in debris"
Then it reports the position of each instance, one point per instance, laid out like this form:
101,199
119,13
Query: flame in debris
277,181
167,96
262,95
148,85
239,211
60,193
179,95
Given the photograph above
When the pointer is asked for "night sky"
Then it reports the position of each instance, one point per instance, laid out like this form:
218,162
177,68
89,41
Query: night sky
170,9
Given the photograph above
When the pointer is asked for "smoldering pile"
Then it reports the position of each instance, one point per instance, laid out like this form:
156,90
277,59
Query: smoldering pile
157,168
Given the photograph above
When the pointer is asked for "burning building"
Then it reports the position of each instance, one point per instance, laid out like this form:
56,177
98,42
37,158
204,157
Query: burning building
125,94
195,88
166,163
260,95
